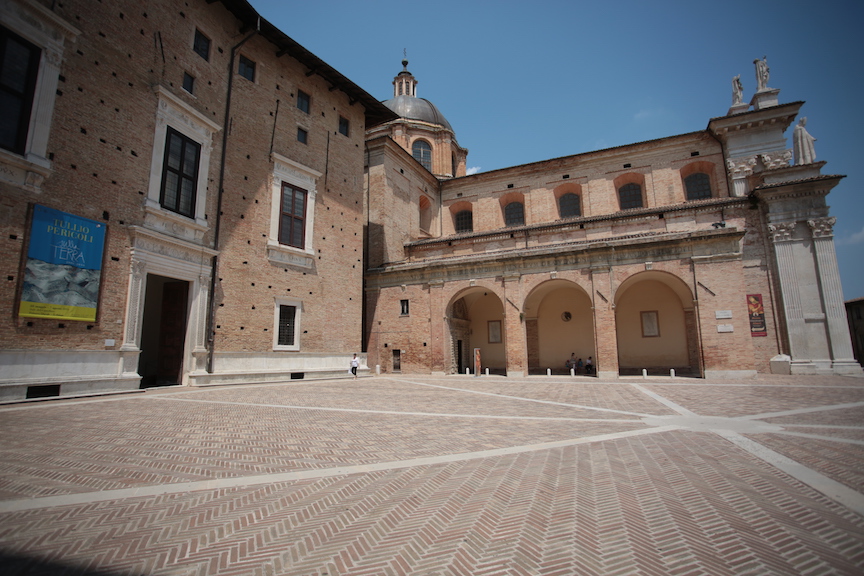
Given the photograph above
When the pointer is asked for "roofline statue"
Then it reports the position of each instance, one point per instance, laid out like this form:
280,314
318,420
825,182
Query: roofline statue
762,73
802,143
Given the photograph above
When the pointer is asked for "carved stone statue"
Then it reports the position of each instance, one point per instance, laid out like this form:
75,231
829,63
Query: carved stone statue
761,73
737,90
802,144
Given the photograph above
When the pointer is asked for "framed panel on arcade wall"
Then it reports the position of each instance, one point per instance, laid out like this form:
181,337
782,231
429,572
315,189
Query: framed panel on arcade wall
494,327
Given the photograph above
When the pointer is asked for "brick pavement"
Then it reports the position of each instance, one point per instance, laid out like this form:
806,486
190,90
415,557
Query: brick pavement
425,475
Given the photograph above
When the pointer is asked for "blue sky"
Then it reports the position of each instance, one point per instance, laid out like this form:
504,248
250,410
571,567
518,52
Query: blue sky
524,81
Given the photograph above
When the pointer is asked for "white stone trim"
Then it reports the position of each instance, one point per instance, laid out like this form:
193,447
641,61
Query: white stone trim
43,28
296,174
173,112
155,253
298,304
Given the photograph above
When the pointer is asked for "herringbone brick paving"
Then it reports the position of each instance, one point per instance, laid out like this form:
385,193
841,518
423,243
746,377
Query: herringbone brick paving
445,476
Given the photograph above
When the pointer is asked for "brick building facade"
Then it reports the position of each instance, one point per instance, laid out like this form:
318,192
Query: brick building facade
191,197
707,253
223,164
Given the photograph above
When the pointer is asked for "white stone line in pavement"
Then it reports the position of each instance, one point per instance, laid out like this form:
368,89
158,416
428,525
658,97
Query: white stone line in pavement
834,490
243,481
831,426
804,410
523,399
820,437
391,412
665,401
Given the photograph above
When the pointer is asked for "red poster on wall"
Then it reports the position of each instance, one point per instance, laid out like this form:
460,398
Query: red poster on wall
756,312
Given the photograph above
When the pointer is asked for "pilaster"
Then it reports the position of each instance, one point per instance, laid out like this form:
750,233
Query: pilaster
832,295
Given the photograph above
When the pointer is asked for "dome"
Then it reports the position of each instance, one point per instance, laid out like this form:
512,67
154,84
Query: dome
414,108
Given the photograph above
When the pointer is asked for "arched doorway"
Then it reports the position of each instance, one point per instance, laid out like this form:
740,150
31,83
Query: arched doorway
559,321
476,318
656,327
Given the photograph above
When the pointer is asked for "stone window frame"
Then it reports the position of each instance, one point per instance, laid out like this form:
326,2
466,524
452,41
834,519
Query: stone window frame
299,176
404,307
344,126
182,118
48,32
278,302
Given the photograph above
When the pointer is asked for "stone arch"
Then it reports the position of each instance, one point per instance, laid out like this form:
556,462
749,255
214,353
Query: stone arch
655,322
559,321
472,314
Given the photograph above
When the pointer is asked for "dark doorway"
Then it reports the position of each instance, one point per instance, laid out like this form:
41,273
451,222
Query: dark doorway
163,336
460,360
397,360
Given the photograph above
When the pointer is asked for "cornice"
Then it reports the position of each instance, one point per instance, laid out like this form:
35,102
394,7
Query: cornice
658,247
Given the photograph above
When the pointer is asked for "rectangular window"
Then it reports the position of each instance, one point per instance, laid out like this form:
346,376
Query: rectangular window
201,45
343,126
302,136
19,65
303,101
292,223
180,174
404,305
650,324
188,82
246,68
287,317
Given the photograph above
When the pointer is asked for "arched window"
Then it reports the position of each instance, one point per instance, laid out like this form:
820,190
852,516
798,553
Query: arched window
568,205
422,152
514,214
698,186
630,196
464,221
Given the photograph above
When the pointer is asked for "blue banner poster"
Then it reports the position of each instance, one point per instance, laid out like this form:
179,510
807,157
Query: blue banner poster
64,266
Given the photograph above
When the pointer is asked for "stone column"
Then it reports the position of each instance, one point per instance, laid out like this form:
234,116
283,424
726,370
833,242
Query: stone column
130,350
822,230
198,324
514,327
781,235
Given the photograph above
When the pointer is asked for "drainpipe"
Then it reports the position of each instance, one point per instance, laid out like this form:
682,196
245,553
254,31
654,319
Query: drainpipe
211,312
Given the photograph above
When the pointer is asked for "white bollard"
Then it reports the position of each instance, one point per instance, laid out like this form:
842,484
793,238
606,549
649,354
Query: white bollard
467,371
548,371
572,372
378,369
487,371
671,372
644,373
